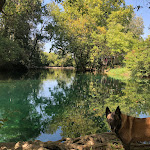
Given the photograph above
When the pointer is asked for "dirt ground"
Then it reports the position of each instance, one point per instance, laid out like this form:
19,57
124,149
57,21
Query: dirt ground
103,141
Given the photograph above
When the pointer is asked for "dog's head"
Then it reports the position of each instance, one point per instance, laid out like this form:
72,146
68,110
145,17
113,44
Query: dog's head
114,119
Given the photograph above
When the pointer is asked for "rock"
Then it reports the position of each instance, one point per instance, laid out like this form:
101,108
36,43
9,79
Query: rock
18,146
103,141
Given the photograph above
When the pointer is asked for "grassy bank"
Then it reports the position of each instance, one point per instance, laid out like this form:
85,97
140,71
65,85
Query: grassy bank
119,73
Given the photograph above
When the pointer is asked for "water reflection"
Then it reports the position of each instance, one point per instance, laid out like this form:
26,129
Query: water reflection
50,104
23,121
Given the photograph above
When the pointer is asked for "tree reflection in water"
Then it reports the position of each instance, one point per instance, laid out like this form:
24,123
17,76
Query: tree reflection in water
45,101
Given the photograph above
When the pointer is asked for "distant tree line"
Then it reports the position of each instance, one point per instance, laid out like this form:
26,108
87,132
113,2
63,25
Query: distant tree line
55,60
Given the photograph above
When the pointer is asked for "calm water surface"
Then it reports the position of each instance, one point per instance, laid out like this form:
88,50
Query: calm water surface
51,104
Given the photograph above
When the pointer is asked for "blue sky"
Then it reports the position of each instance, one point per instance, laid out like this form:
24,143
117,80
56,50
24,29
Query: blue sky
143,12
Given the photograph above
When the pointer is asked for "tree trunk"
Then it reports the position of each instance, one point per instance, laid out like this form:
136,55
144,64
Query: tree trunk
2,2
81,66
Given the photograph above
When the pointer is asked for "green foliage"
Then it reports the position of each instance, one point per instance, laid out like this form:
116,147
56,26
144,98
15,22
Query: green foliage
93,29
20,26
55,60
118,41
2,3
138,60
86,31
81,27
10,52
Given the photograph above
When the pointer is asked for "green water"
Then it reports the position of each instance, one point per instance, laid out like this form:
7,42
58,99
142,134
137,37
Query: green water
51,104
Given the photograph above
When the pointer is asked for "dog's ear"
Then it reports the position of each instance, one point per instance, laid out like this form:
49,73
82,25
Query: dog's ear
107,111
118,111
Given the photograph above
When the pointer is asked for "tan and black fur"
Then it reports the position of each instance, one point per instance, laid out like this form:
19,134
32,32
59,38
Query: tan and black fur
127,128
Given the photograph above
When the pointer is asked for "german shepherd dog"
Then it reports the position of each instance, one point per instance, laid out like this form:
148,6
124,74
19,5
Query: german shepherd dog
128,129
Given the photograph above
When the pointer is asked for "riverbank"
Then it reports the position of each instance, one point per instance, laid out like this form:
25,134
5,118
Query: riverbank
89,142
103,141
118,73
46,67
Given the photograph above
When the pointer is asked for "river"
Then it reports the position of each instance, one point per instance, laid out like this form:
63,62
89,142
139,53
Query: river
51,104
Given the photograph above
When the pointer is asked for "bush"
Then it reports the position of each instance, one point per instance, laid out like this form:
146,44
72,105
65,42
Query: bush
138,61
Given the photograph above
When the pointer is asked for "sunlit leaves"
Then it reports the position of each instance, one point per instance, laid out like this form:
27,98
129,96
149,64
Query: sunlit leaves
119,41
138,60
81,27
52,59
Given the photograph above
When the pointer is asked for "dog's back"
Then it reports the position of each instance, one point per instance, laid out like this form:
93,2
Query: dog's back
128,128
134,129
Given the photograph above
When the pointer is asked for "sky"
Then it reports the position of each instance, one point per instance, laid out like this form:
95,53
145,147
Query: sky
143,12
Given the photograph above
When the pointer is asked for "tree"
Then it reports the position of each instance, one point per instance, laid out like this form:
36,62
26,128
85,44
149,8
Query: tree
52,59
114,40
136,26
21,27
119,41
10,54
85,29
138,60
